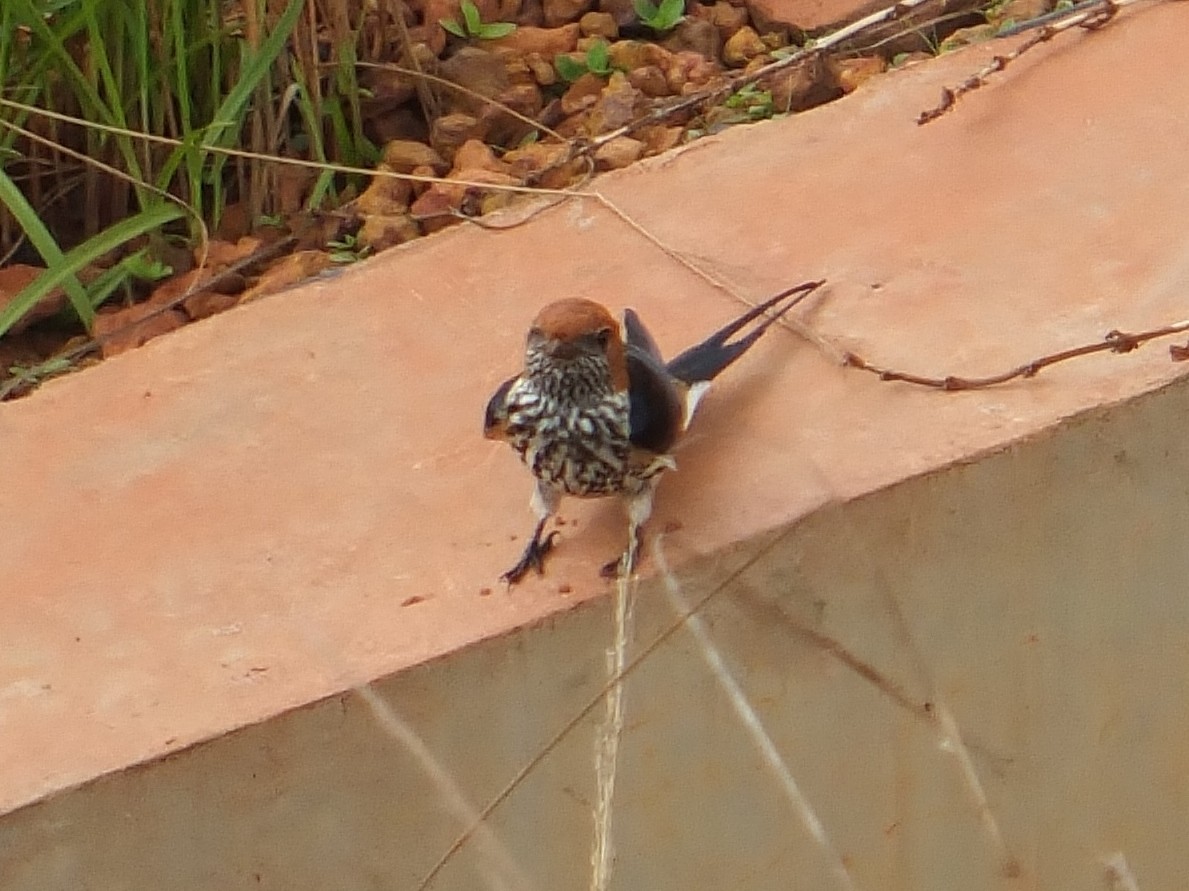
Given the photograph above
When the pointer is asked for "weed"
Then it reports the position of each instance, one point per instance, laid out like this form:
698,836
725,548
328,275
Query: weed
473,26
348,250
597,61
660,18
753,102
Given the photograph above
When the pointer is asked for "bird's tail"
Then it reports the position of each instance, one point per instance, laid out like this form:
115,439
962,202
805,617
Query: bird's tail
705,361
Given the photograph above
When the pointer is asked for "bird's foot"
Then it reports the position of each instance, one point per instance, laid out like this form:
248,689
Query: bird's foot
532,558
623,565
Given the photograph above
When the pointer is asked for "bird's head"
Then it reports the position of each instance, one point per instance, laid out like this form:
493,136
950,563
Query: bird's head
579,335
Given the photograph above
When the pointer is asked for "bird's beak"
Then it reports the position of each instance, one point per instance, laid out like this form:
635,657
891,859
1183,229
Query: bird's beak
557,348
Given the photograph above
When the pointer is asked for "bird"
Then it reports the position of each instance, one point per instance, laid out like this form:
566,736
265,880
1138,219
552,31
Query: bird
596,410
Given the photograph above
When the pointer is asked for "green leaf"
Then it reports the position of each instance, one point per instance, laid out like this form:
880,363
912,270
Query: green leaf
670,13
453,27
568,67
86,253
41,239
645,9
496,30
470,15
597,57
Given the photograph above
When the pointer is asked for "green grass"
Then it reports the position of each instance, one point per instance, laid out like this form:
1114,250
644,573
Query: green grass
82,80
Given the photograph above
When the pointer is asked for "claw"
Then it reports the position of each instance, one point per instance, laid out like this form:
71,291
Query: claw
532,558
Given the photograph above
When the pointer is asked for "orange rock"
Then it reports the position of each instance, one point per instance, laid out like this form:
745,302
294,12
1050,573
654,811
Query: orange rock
287,271
384,195
618,104
562,12
599,24
452,130
380,232
650,81
744,45
547,42
619,152
850,73
478,155
726,18
126,328
807,15
582,94
13,279
402,155
659,138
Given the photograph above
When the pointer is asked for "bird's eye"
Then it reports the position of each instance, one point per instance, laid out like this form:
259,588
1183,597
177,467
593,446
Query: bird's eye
603,336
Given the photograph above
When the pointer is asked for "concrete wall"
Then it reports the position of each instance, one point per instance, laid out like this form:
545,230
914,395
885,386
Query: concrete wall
975,679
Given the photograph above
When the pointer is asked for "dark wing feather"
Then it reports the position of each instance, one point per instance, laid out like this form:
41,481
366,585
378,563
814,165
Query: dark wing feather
657,405
638,336
496,415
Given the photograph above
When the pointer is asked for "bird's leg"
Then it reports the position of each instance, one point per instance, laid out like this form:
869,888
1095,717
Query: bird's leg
544,504
533,556
625,563
639,510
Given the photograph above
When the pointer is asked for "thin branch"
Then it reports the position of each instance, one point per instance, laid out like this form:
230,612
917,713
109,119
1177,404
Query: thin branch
1090,14
1114,342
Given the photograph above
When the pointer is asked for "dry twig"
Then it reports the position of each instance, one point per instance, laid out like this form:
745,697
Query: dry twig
1114,342
1090,14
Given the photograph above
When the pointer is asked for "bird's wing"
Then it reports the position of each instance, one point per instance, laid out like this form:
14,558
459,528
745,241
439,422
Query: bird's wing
656,401
495,419
637,336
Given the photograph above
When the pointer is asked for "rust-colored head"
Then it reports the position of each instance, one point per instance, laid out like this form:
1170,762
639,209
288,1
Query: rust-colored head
575,327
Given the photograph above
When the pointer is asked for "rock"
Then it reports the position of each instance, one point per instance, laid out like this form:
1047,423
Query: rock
695,35
582,94
126,328
452,130
404,122
850,73
532,14
689,71
478,71
527,163
380,232
807,15
744,45
506,129
658,138
619,152
420,186
561,12
628,55
622,11
517,70
546,42
599,24
543,71
15,278
384,195
288,271
726,18
402,155
650,81
509,11
387,88
801,87
618,104
464,195
208,303
478,155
